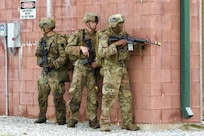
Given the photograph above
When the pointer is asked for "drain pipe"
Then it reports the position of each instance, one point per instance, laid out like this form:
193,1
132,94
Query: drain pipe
49,8
185,59
201,60
6,73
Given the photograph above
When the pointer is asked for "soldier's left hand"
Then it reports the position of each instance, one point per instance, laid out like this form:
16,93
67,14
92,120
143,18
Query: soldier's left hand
146,43
51,65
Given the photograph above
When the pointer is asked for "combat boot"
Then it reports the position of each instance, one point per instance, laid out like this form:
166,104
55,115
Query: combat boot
132,127
71,123
105,128
94,124
40,121
61,122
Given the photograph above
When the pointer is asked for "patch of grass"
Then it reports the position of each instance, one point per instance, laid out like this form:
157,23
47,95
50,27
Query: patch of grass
192,127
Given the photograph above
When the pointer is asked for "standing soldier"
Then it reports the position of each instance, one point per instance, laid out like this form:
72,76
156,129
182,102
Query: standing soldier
115,76
51,56
83,74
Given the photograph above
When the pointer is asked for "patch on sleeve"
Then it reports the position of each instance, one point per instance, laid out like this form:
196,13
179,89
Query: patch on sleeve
104,37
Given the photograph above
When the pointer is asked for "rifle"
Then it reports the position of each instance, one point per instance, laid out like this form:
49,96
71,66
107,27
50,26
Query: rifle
44,57
92,55
91,59
130,41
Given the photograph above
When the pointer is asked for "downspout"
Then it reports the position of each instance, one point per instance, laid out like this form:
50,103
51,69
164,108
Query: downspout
6,74
201,60
185,59
49,8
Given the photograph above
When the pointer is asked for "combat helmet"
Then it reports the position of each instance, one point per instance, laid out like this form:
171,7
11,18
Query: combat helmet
47,23
90,17
115,19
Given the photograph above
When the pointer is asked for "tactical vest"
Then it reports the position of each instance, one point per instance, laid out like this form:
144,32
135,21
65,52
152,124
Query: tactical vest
81,36
63,72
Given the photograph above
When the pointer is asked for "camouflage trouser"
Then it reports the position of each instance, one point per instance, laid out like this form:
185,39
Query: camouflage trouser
45,85
82,78
116,86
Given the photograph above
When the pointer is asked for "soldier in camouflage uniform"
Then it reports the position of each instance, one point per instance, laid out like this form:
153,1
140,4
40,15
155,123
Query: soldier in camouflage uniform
115,76
49,80
82,74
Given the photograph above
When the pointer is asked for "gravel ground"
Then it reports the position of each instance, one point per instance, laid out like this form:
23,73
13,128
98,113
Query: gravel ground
21,126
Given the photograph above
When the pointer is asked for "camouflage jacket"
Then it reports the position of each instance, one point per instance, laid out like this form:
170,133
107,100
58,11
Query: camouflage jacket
56,51
73,48
111,54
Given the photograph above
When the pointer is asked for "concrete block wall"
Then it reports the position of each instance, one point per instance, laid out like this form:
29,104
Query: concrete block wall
155,77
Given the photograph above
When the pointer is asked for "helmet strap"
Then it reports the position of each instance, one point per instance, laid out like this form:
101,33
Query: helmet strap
90,28
116,29
45,33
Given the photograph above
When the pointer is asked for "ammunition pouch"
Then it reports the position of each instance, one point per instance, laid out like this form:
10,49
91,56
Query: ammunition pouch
62,73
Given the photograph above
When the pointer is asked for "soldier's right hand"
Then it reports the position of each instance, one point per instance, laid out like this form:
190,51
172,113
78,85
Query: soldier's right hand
93,64
121,42
84,50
